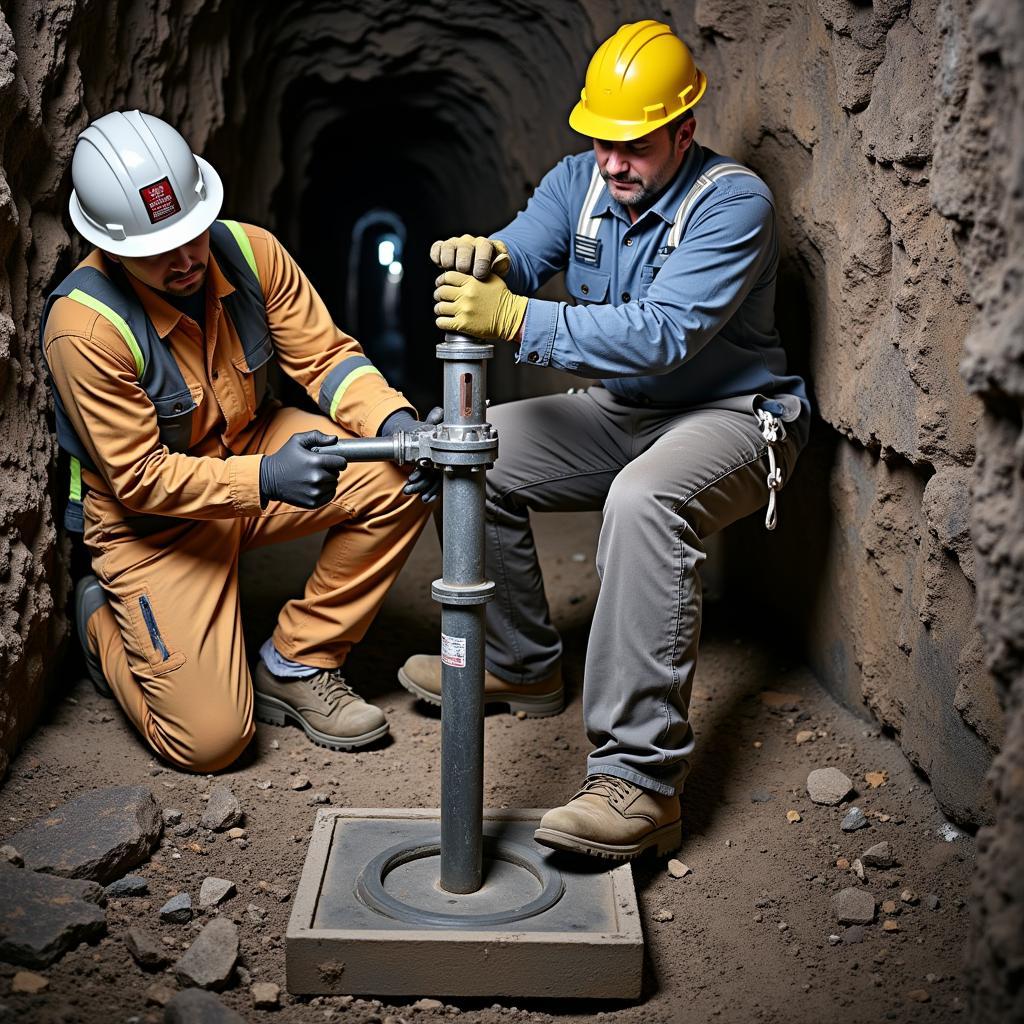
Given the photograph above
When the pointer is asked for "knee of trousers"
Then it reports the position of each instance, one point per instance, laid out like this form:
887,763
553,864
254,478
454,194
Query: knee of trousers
633,503
212,740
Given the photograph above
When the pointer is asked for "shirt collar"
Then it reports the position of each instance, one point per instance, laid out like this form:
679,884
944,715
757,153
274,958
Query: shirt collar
163,316
669,200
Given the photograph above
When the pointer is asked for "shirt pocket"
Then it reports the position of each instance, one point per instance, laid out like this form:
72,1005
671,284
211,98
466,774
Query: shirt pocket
585,284
174,416
151,641
252,372
648,272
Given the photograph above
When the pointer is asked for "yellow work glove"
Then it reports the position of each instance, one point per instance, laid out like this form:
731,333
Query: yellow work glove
471,254
482,309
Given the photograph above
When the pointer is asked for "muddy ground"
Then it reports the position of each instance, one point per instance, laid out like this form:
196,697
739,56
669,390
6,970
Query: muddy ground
750,934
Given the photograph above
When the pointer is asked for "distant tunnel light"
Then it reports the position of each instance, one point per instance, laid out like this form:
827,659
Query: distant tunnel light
395,270
386,254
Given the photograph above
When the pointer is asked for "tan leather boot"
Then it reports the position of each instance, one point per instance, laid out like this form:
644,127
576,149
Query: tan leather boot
329,711
611,818
421,675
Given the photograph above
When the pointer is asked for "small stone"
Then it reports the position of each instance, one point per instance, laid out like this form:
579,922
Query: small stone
193,1006
256,914
223,810
177,910
275,745
758,744
428,1004
843,864
664,915
320,798
159,995
264,784
521,715
299,782
237,833
908,896
858,869
9,854
804,736
876,779
265,995
931,901
834,940
27,983
782,926
919,995
854,820
889,925
677,869
130,885
853,906
209,961
184,830
793,816
758,917
214,891
171,816
828,786
145,950
878,856
890,907
853,935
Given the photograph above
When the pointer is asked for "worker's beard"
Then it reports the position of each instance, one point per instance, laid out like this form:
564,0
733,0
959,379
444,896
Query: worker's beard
650,188
190,289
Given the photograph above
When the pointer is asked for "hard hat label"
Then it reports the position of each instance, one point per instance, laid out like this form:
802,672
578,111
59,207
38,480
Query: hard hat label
160,200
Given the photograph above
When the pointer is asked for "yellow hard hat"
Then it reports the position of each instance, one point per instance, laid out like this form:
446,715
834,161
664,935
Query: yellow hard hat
641,78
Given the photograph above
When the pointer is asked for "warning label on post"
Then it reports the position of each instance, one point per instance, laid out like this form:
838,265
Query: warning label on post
453,650
160,200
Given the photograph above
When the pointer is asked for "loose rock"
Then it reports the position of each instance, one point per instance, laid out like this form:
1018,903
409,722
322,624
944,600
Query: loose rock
828,786
919,995
171,816
236,833
214,891
664,915
428,1004
184,830
10,855
843,864
858,869
177,910
223,810
876,779
209,961
890,907
854,820
257,915
159,995
793,816
909,896
27,983
889,925
853,906
299,782
804,736
931,901
130,885
99,835
42,916
878,856
146,951
265,995
677,869
193,1006
853,935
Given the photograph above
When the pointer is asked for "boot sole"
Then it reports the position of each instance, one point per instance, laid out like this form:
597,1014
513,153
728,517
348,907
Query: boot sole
275,712
542,706
664,840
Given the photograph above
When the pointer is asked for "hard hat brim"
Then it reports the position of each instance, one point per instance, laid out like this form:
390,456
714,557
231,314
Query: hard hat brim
586,122
183,230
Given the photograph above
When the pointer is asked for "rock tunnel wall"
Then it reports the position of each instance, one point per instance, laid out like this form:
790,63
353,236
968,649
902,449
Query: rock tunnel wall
890,133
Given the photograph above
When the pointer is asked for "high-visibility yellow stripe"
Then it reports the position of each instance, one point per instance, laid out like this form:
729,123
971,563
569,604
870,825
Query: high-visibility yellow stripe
244,244
359,371
116,319
76,480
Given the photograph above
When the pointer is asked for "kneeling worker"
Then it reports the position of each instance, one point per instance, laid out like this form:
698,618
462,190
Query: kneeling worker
670,252
158,345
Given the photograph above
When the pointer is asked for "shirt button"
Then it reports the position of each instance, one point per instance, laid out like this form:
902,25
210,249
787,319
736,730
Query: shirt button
629,241
178,407
585,288
625,296
533,357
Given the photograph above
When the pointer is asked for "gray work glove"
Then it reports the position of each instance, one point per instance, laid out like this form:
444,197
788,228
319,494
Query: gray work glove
423,480
298,476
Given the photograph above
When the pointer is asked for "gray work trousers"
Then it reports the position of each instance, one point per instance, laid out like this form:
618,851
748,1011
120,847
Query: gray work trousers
666,480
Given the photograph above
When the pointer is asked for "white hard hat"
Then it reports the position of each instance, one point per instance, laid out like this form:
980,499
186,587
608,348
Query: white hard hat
139,190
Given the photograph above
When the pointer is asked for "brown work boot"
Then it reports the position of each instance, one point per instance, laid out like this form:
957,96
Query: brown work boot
611,818
330,712
421,675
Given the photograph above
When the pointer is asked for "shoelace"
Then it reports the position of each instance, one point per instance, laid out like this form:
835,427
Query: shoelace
331,685
606,785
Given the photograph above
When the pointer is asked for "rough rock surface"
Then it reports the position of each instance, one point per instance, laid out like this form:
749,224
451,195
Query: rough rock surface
222,810
854,906
210,960
828,786
146,950
98,835
193,1006
214,891
42,917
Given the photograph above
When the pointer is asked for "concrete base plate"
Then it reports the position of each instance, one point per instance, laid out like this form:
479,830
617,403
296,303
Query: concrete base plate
588,944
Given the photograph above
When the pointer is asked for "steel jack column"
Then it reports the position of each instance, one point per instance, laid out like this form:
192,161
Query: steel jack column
459,901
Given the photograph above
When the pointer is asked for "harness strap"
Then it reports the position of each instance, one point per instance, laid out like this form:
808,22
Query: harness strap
699,187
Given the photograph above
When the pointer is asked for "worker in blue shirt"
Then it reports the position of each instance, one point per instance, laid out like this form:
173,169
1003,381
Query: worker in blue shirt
670,253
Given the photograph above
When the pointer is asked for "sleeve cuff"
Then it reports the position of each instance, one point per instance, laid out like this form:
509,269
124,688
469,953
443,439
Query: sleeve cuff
374,417
539,327
244,481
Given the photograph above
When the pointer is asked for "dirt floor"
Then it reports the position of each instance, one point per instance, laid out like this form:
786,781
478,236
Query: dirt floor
749,935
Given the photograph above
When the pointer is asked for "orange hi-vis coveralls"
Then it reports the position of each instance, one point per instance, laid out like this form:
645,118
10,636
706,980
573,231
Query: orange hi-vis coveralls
170,639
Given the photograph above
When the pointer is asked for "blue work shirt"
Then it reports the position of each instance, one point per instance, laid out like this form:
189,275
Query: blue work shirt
689,327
